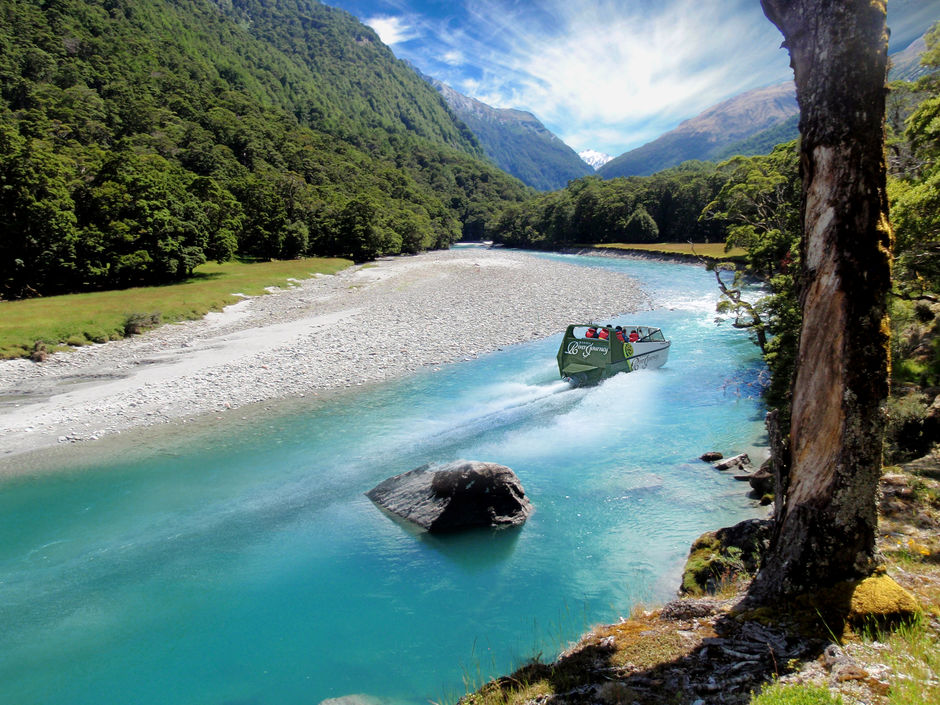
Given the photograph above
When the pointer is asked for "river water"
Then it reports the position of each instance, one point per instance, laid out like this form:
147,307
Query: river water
242,563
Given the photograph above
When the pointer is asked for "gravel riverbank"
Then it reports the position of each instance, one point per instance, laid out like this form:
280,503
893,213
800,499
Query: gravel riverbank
366,324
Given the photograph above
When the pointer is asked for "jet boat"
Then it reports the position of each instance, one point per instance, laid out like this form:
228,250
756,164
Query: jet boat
590,353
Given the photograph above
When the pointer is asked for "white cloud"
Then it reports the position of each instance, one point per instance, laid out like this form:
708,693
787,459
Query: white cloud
392,30
453,57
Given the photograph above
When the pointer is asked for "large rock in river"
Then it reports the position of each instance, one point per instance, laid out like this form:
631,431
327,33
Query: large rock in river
456,495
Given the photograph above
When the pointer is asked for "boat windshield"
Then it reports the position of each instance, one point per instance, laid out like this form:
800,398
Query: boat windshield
653,335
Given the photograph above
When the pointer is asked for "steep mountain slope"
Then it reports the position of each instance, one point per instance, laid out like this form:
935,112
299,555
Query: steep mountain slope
517,142
905,65
351,80
140,137
761,142
705,136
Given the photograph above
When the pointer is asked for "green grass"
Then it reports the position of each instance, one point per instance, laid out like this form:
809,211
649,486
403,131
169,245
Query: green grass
715,250
80,319
914,657
916,664
780,694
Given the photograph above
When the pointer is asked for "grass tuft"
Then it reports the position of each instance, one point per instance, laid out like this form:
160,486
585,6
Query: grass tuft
780,694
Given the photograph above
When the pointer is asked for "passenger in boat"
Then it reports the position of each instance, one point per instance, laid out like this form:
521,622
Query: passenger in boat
634,336
591,333
603,333
618,334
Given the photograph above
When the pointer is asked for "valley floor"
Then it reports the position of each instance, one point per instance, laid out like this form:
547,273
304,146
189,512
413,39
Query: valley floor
366,324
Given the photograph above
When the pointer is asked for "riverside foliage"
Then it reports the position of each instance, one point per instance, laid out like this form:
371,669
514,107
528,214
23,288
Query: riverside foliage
664,207
141,138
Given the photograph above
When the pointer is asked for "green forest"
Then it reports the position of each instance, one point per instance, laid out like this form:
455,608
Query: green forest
140,138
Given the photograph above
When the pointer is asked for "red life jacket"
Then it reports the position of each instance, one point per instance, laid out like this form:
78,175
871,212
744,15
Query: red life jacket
620,337
603,334
590,333
634,336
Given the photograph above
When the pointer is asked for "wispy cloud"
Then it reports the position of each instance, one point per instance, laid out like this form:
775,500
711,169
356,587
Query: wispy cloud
392,30
909,19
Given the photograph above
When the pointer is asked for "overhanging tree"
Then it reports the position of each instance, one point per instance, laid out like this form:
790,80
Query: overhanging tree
828,475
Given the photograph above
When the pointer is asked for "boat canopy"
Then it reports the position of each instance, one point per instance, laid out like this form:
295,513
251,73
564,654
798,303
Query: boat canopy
646,334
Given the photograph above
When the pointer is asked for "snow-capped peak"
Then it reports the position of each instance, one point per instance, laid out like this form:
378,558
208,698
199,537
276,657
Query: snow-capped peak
594,158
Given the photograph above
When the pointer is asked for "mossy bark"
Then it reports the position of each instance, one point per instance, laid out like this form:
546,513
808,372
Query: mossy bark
825,530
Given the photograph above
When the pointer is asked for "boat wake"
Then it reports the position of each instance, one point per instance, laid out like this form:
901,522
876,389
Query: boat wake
503,405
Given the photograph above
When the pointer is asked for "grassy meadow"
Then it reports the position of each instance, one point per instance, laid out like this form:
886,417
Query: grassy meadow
96,317
712,250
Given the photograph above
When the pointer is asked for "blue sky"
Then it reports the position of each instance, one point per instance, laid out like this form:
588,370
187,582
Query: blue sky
602,74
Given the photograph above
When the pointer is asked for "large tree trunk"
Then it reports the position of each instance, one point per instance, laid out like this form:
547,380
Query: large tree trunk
826,516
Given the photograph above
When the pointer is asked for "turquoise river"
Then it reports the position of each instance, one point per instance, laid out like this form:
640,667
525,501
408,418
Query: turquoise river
238,561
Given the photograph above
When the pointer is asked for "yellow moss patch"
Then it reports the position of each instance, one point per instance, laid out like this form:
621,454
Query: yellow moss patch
876,600
881,597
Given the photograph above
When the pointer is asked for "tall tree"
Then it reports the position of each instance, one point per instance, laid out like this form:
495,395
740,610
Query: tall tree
826,510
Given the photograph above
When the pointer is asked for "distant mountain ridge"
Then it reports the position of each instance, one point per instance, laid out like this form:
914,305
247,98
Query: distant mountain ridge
516,141
749,123
710,133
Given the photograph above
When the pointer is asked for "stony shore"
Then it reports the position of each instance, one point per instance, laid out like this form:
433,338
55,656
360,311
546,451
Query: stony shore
366,324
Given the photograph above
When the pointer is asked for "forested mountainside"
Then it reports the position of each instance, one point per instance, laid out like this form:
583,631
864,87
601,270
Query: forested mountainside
139,138
517,142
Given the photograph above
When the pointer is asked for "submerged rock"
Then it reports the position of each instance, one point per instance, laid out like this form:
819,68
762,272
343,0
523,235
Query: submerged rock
762,482
456,495
736,462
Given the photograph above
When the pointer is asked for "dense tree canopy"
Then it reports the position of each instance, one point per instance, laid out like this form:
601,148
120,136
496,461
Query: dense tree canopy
664,207
140,138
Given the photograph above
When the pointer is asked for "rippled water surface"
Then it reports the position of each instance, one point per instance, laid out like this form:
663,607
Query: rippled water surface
244,565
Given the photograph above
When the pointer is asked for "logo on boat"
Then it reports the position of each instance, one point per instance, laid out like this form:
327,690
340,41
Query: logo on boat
627,350
585,348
